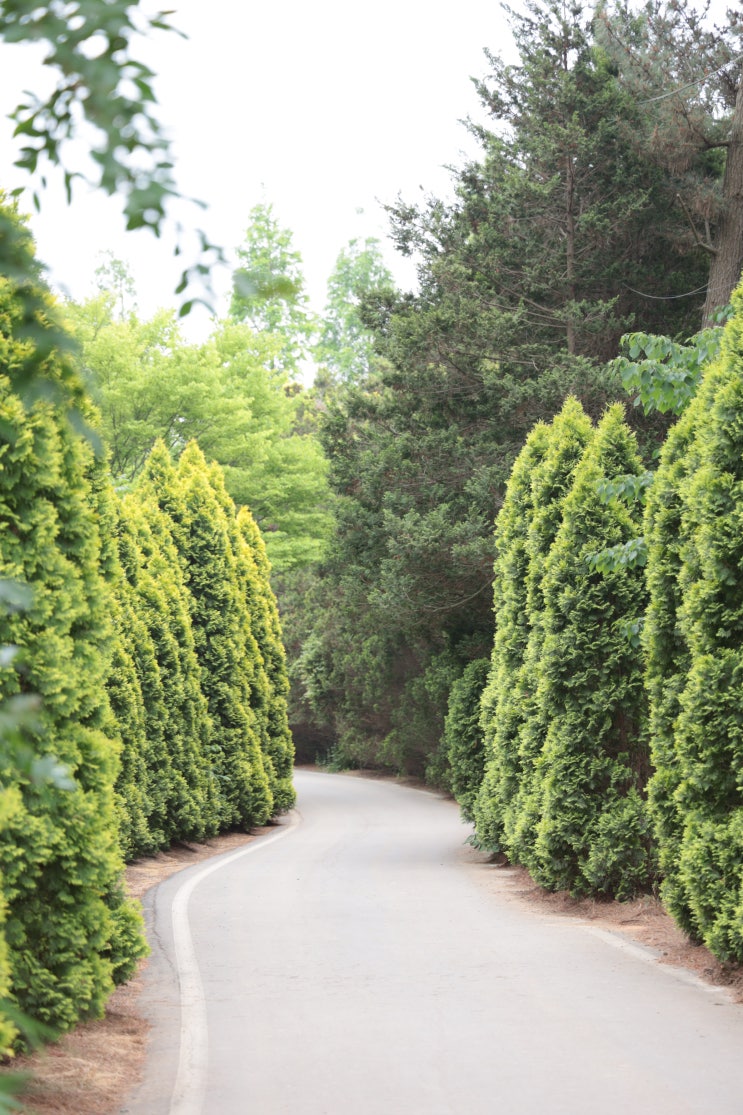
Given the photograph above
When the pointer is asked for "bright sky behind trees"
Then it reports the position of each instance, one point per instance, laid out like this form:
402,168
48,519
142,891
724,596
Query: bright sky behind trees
322,109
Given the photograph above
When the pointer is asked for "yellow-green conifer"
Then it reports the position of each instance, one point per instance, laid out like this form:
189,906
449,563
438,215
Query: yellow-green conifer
227,651
593,834
70,932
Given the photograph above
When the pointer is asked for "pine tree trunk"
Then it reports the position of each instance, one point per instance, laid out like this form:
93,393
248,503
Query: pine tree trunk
727,263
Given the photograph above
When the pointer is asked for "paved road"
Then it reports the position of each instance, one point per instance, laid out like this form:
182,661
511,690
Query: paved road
350,964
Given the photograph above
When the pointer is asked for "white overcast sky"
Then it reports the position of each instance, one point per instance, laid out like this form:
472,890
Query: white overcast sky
323,108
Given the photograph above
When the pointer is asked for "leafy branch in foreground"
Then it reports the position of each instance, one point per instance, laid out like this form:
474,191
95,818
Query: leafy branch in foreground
105,97
662,374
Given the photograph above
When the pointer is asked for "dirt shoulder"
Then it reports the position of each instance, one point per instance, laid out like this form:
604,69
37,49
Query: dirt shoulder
92,1070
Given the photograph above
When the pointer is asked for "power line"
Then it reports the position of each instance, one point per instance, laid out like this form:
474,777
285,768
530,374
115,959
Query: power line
683,88
666,297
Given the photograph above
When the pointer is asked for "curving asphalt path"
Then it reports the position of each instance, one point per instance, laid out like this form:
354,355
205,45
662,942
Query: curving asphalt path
350,964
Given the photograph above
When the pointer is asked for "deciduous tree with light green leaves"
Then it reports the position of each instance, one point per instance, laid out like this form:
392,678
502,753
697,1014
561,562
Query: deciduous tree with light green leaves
149,383
345,347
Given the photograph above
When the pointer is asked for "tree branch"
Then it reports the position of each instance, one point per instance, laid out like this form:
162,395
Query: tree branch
708,247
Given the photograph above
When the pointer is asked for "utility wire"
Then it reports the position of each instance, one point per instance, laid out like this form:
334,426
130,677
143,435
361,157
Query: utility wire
667,297
683,88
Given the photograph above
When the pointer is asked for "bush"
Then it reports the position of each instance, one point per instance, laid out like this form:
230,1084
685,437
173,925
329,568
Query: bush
266,626
695,655
668,661
508,806
185,802
226,651
59,854
502,705
594,765
463,735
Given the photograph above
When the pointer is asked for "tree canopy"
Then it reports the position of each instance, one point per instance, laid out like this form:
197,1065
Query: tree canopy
149,384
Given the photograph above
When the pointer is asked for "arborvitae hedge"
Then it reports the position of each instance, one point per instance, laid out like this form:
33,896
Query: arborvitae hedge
127,723
502,699
668,661
697,792
70,932
508,806
569,434
463,735
154,645
246,575
217,612
144,723
593,834
186,798
270,683
267,630
9,803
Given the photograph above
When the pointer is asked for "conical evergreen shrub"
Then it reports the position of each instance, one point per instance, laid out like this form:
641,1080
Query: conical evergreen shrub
697,791
70,933
502,705
10,802
201,534
463,735
668,660
570,433
128,724
251,608
508,805
593,834
185,796
267,630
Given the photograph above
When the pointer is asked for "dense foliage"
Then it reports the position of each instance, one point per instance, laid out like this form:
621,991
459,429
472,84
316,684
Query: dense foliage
526,283
70,933
143,634
593,830
506,811
183,795
683,73
149,383
266,628
693,641
463,735
268,292
563,711
150,649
